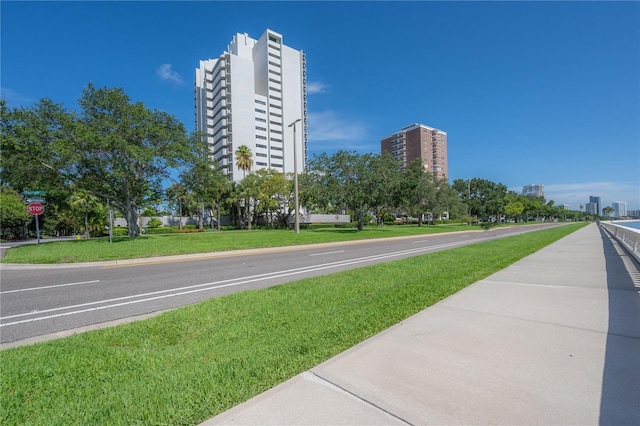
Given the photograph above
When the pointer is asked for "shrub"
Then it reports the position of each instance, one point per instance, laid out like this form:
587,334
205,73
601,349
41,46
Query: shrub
120,231
188,230
154,223
488,225
161,230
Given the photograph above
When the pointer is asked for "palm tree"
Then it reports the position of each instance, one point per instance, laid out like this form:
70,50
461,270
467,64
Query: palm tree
84,202
244,159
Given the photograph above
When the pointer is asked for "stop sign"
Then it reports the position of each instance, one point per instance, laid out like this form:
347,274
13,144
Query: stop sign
35,209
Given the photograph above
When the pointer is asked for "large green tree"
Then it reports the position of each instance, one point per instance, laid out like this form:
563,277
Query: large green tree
36,142
345,180
124,150
13,213
86,203
204,180
418,192
274,194
385,182
484,198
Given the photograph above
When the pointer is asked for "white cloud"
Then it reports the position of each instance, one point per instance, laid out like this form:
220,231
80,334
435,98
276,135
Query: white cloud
331,131
165,72
316,87
327,125
15,99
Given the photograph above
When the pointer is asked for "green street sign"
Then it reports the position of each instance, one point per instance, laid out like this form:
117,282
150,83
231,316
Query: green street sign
33,193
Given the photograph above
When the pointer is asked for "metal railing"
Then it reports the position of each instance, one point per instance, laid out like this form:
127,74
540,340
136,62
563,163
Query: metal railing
628,237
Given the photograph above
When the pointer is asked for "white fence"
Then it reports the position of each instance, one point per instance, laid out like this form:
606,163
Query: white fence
322,218
166,221
628,237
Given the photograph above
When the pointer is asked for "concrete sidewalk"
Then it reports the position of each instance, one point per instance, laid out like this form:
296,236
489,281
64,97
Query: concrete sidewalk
553,339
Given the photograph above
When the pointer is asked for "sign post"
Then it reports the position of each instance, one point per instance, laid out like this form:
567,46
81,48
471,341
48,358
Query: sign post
36,209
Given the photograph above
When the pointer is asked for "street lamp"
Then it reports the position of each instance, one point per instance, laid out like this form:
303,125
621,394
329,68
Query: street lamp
295,176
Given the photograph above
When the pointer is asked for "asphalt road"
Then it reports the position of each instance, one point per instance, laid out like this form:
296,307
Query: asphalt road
44,302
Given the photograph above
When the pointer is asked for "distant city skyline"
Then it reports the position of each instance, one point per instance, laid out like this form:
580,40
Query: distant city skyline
528,92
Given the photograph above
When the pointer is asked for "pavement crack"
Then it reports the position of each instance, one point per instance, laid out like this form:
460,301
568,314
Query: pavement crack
313,377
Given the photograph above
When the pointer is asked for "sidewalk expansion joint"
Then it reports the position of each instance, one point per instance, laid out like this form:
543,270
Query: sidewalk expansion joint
553,324
313,377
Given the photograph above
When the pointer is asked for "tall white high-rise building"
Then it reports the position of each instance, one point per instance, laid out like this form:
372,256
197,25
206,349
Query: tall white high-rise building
250,95
534,190
619,208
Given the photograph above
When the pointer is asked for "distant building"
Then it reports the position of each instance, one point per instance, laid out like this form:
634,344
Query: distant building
566,207
534,190
598,206
634,214
250,95
591,208
419,141
619,209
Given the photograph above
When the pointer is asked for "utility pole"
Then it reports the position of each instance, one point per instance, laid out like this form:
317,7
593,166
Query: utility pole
295,176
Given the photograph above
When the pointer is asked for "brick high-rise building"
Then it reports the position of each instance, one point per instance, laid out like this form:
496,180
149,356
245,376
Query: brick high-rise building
419,141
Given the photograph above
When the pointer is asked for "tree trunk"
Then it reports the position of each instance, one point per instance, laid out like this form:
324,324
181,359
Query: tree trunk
248,211
86,223
360,221
131,216
218,209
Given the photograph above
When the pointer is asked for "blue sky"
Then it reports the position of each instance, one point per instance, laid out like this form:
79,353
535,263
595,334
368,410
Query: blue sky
528,92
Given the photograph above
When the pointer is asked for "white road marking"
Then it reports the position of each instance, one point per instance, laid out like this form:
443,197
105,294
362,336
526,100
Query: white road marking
49,286
326,252
181,291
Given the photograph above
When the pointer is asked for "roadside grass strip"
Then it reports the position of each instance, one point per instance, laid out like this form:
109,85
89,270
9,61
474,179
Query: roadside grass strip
189,364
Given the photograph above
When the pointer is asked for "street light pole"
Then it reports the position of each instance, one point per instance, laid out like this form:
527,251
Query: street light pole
295,176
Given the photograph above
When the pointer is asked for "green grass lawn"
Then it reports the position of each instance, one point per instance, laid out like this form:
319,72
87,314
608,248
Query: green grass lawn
99,249
189,364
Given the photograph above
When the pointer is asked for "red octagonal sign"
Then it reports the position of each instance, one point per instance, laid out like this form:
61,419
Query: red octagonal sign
35,209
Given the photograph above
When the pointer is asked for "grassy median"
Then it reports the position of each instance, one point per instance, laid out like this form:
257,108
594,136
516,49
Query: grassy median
189,364
99,249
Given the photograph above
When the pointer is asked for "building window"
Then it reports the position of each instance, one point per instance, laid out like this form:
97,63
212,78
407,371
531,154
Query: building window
261,128
259,145
260,154
261,111
260,163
